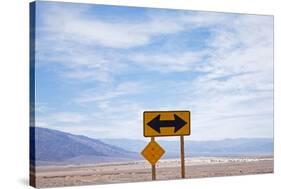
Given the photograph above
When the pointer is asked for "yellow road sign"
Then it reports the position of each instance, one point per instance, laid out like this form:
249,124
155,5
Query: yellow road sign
152,152
166,123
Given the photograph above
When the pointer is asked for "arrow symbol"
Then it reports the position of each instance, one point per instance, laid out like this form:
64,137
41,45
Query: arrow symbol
156,123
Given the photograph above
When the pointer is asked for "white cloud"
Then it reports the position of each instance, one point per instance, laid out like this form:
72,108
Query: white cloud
69,117
76,25
60,119
74,37
41,107
122,89
173,62
235,97
231,98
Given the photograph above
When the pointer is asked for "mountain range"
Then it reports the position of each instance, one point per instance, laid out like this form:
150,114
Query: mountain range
56,147
50,146
225,147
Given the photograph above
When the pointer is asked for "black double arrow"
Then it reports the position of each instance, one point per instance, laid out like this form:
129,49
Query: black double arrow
156,123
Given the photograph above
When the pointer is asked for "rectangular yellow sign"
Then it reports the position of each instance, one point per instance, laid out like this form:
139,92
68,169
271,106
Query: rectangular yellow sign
166,123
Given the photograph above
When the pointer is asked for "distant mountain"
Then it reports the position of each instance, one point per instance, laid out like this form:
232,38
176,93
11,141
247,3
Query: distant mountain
56,147
226,147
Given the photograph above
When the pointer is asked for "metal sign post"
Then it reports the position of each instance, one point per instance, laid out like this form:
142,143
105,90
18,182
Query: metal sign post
182,157
153,168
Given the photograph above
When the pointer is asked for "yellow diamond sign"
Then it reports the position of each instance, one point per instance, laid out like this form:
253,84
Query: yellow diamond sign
152,152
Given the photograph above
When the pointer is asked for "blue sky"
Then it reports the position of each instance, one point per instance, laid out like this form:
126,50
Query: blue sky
99,67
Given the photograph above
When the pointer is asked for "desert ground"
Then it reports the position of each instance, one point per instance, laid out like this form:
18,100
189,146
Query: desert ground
196,167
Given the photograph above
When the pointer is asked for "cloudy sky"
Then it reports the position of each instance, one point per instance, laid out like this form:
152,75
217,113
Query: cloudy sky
99,67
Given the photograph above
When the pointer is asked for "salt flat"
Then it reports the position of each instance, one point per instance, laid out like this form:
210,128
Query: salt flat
135,171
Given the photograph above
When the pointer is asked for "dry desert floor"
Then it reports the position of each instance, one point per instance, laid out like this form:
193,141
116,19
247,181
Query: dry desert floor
71,175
